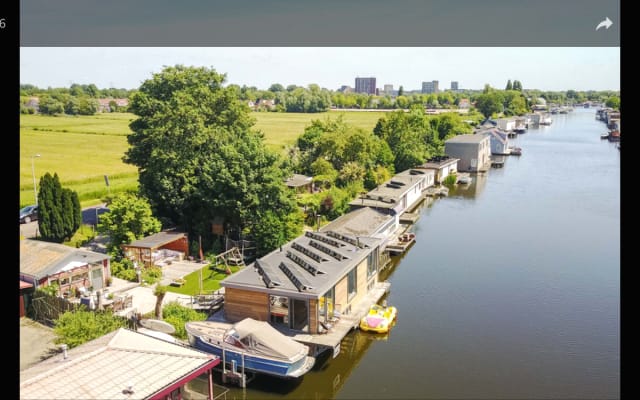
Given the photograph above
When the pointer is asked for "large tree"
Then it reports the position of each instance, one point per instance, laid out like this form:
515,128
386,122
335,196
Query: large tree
129,218
59,213
198,157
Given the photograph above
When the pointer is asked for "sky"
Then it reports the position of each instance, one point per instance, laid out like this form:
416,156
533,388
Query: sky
544,68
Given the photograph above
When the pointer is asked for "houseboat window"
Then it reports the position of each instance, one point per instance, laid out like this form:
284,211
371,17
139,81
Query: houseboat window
279,310
372,263
352,283
325,306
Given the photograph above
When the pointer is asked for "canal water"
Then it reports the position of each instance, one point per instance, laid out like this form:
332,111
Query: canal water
512,289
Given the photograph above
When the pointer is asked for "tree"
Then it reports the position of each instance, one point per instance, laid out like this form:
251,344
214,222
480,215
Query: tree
276,87
400,91
509,85
613,102
489,103
198,157
58,210
517,85
50,106
159,291
129,218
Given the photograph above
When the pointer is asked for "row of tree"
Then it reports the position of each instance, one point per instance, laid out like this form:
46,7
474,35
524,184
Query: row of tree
76,90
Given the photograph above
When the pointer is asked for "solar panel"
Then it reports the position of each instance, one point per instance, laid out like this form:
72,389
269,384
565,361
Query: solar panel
315,256
327,250
323,239
304,264
268,276
347,239
299,282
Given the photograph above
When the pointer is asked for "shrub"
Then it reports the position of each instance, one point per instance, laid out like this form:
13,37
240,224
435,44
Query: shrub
177,315
450,180
77,327
151,275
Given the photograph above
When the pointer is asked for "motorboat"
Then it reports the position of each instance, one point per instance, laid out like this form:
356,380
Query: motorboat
253,345
464,180
379,319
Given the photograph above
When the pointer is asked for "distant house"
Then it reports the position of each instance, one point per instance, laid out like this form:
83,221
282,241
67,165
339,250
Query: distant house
506,124
473,152
251,104
464,103
300,183
158,248
120,365
104,105
364,222
33,102
266,103
44,264
499,141
442,166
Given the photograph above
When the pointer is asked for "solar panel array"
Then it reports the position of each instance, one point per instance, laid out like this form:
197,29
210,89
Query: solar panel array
315,256
304,264
297,281
347,239
327,250
268,276
323,238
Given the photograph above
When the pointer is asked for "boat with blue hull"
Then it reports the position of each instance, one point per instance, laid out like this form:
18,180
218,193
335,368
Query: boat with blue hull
256,345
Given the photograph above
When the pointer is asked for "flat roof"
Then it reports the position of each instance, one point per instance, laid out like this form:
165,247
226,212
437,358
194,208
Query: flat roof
40,259
156,240
307,266
434,164
466,139
364,221
297,180
387,194
103,368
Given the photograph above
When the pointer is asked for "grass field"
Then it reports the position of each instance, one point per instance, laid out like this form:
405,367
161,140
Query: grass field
82,149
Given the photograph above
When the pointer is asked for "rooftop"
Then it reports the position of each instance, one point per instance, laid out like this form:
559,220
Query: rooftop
40,259
439,162
467,139
361,222
388,194
103,368
157,240
308,265
298,180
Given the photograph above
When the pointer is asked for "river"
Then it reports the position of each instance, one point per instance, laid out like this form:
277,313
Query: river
512,289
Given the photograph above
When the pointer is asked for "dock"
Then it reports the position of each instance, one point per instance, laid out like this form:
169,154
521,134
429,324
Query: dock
497,161
409,218
331,339
436,191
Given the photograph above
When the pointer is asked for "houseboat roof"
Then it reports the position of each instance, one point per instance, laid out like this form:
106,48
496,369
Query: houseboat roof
472,139
498,134
40,259
387,194
157,240
297,180
439,162
106,367
364,221
308,265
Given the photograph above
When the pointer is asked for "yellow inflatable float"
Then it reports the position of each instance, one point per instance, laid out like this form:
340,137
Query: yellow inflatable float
379,319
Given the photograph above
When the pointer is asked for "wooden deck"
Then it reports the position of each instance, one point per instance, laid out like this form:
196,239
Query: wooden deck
345,324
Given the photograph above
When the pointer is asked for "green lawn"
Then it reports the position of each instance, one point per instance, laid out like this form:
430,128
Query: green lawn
82,149
210,281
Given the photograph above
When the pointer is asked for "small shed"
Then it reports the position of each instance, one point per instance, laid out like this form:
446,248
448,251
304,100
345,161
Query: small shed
301,183
158,248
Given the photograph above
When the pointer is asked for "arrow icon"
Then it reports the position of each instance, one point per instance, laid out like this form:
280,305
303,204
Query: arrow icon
606,23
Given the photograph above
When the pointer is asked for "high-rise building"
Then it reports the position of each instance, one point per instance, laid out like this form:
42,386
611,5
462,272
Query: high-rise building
366,85
454,85
430,87
388,89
